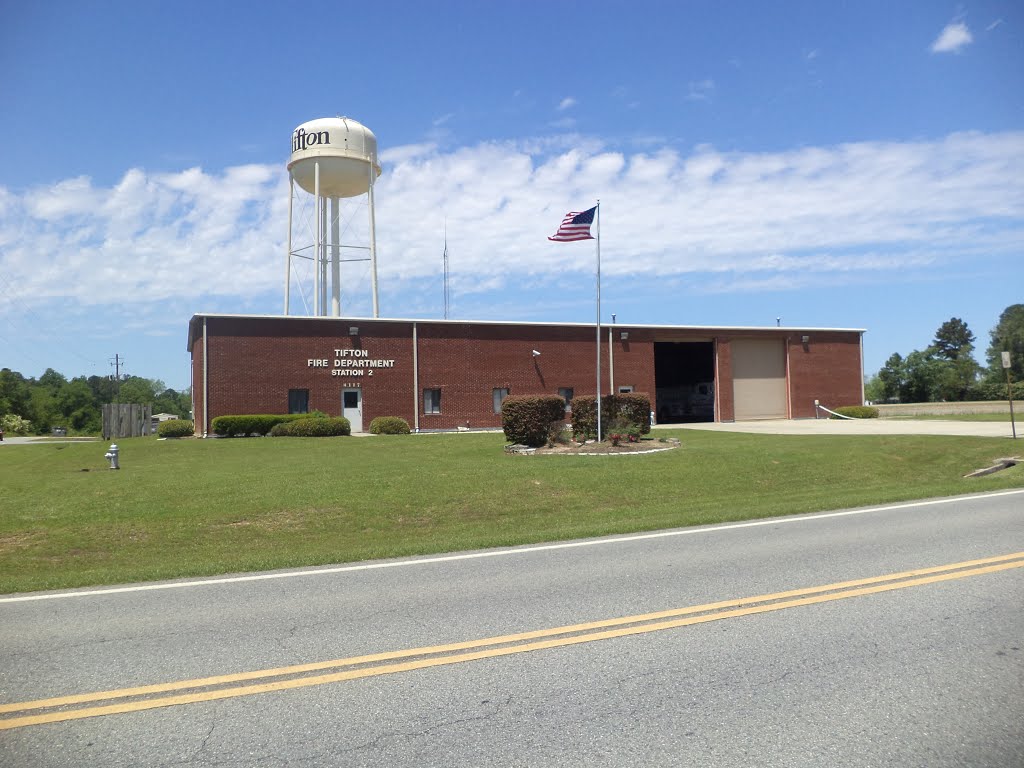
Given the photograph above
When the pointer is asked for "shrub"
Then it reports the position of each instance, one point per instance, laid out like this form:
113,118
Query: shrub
995,390
13,424
258,424
528,419
857,412
623,428
559,433
175,428
389,425
313,426
631,408
281,429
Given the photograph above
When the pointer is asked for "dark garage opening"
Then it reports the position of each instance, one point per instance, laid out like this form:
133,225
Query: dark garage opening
684,378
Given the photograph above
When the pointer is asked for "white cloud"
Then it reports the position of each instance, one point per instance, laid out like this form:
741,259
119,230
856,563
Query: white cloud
869,208
566,103
953,38
67,198
700,90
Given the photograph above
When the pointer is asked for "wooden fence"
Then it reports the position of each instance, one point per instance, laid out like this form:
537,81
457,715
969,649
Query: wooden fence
127,420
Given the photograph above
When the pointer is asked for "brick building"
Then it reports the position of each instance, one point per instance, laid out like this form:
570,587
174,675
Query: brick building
446,374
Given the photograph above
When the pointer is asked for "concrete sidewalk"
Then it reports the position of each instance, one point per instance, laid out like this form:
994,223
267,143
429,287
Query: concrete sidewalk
43,440
863,427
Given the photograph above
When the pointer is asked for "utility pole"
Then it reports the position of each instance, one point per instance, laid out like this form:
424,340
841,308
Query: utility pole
117,362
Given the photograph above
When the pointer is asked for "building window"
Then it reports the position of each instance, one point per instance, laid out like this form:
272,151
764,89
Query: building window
625,389
566,394
431,400
499,397
298,401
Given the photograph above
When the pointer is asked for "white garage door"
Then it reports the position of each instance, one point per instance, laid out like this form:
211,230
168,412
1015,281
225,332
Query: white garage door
759,378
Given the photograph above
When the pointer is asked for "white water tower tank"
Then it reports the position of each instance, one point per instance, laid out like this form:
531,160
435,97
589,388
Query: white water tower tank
346,151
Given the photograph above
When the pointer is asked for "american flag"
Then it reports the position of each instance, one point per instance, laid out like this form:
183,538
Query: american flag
575,226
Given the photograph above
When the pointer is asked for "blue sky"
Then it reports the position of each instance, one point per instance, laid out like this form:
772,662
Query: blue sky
833,164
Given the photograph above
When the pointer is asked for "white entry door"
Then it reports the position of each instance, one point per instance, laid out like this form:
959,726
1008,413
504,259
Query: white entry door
352,408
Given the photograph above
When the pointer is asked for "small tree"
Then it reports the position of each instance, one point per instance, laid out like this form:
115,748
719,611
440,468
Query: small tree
874,391
953,340
893,377
926,378
633,408
1007,336
136,389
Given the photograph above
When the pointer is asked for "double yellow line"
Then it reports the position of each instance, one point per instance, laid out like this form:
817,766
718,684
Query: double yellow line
25,713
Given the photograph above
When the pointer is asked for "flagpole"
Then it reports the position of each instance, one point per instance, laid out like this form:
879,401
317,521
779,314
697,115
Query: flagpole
597,217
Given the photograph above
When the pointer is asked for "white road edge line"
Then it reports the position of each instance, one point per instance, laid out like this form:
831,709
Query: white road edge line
524,550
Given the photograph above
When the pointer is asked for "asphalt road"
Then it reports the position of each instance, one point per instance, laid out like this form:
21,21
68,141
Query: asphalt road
918,662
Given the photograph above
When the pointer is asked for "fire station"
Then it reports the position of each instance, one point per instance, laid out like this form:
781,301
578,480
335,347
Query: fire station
452,374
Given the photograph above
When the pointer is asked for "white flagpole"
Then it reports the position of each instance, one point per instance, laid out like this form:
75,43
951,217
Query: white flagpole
597,220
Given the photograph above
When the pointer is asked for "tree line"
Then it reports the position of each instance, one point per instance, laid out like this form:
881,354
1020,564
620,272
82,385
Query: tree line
946,370
37,406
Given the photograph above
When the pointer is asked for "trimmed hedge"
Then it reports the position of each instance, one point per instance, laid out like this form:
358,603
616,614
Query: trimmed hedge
175,428
313,426
527,419
857,412
255,424
630,408
389,425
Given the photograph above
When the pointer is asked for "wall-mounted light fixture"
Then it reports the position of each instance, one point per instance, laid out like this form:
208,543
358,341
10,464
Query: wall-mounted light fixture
804,339
353,330
536,353
624,336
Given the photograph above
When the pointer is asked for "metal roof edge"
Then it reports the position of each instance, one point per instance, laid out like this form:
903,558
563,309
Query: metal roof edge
528,323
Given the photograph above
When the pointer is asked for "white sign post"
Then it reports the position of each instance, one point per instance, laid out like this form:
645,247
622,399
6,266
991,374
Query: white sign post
1009,391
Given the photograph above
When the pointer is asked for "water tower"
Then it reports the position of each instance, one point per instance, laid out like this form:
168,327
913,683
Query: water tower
333,159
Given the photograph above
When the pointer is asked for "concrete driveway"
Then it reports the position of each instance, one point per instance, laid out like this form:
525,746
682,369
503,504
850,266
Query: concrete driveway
864,427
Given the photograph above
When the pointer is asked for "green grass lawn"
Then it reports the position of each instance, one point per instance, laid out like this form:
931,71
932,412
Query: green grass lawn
201,507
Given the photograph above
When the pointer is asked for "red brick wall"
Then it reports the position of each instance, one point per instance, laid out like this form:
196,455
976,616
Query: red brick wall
827,368
253,362
726,410
467,362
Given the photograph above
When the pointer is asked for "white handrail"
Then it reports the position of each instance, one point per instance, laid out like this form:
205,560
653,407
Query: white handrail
818,406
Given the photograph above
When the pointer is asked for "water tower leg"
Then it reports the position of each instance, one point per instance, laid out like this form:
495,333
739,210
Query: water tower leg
319,243
324,258
288,258
373,249
335,259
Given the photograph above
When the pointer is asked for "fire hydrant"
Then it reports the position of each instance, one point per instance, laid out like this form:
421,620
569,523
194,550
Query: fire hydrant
111,455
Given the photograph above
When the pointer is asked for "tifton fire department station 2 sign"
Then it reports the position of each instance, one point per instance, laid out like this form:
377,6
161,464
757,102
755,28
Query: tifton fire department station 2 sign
350,362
